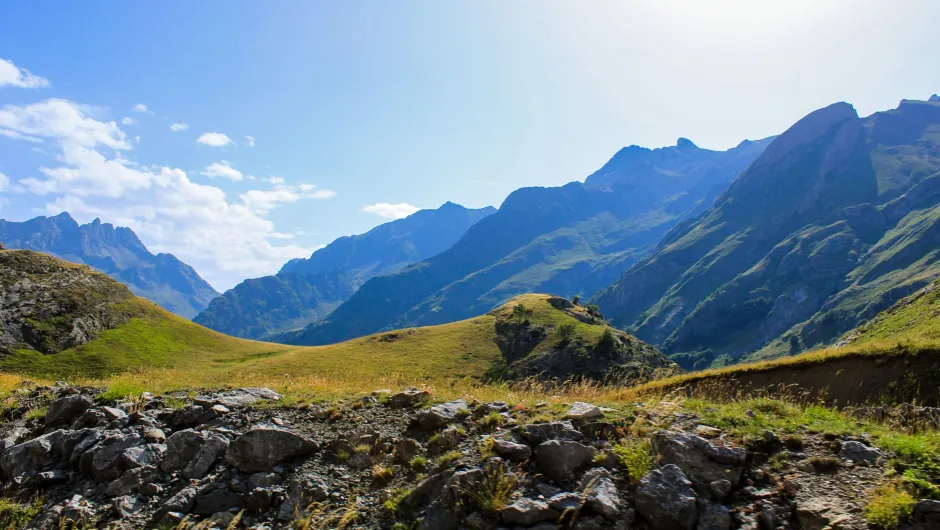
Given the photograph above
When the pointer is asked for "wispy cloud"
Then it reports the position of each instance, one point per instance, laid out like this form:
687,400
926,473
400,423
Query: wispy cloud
140,107
262,201
250,141
12,75
177,127
391,211
128,121
223,169
214,139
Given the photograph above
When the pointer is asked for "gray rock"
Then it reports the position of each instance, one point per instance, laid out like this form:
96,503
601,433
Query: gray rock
450,438
528,512
441,415
217,500
185,417
127,506
714,517
181,502
155,435
108,462
438,517
143,455
565,501
601,495
83,447
30,455
700,460
860,453
210,451
538,433
666,500
820,513
261,449
410,397
241,397
64,410
719,489
56,476
406,450
561,459
581,411
360,461
111,413
181,448
131,481
511,450
264,480
927,515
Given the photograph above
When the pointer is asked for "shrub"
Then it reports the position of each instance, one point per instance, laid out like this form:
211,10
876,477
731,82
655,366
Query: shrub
16,515
382,474
607,343
566,332
520,312
636,454
494,492
576,299
418,463
888,505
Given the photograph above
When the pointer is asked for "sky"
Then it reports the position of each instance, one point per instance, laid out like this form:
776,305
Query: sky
238,135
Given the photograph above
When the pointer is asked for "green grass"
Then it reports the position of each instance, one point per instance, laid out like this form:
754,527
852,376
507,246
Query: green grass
15,515
637,456
888,505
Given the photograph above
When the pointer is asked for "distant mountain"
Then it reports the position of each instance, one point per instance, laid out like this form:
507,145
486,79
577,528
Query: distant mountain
835,221
306,290
569,240
117,252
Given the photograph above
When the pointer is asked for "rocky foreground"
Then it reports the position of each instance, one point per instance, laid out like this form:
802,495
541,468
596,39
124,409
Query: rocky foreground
238,459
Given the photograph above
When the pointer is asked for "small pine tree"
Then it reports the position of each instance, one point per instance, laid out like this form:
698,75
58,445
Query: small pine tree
607,342
521,312
576,299
566,332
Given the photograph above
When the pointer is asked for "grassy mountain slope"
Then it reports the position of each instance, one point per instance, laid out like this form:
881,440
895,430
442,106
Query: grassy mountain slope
567,240
833,223
306,290
133,334
893,357
117,252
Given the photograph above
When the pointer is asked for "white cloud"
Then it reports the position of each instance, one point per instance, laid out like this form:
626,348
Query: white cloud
177,127
64,120
214,139
225,240
262,201
391,211
4,182
19,136
128,121
250,140
272,180
140,107
12,75
223,169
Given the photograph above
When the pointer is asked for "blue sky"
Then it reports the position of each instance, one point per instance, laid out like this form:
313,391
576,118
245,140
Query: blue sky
358,104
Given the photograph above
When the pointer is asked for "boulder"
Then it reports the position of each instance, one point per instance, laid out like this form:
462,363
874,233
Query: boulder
406,450
108,462
927,515
700,460
538,433
565,501
211,501
185,417
64,410
30,455
860,453
666,500
131,481
441,415
820,513
261,449
713,516
182,448
210,451
511,450
600,494
181,502
410,397
143,455
581,411
238,398
561,459
528,512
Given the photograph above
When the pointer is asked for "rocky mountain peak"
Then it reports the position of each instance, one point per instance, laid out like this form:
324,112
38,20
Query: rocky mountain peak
684,144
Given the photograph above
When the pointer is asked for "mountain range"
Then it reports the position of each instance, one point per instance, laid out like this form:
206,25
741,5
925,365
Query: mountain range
117,252
306,290
569,240
834,222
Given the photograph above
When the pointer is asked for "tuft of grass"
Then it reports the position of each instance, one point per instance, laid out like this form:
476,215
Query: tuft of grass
636,455
486,448
825,464
382,474
342,456
362,448
396,499
122,390
36,414
495,490
418,463
449,458
888,505
15,515
491,421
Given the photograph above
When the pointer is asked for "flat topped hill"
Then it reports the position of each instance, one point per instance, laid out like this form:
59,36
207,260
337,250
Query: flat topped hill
89,325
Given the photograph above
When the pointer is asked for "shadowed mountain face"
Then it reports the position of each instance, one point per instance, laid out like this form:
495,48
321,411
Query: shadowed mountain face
117,252
836,220
570,240
306,290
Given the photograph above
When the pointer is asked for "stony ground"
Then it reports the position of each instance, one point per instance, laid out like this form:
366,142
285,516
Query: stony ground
242,459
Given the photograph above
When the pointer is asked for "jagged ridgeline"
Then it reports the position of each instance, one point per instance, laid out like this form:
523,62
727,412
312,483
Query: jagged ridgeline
63,319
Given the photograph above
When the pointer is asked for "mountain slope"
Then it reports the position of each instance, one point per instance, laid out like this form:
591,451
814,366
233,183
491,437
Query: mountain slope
832,223
570,240
306,290
79,322
117,252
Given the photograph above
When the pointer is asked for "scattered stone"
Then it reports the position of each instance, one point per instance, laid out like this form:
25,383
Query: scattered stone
360,461
143,455
441,415
410,397
127,506
666,500
261,449
528,512
818,513
707,431
405,451
719,489
716,517
565,501
210,451
600,494
239,398
111,413
33,454
64,410
581,411
154,436
561,459
511,450
182,448
860,453
700,460
538,433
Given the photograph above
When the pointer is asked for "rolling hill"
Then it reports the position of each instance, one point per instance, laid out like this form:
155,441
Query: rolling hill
117,252
121,332
569,240
834,222
305,290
